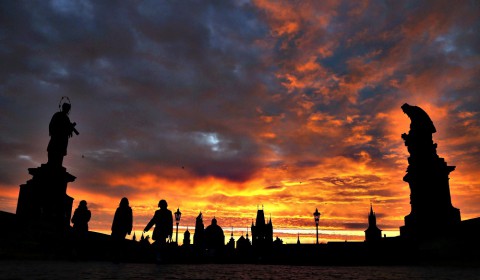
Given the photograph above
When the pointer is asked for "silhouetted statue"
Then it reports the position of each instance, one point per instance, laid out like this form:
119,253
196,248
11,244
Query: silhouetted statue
60,129
81,216
123,220
163,221
198,236
432,212
44,197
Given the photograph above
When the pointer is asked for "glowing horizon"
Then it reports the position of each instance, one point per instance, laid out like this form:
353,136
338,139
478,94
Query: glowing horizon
221,107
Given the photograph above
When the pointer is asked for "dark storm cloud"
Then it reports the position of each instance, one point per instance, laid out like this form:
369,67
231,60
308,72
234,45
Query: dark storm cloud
155,83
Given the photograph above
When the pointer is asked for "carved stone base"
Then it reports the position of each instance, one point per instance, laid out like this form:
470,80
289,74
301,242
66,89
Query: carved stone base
427,225
43,199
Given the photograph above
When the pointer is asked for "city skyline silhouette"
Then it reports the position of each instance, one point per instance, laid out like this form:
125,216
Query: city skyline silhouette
308,235
221,108
432,232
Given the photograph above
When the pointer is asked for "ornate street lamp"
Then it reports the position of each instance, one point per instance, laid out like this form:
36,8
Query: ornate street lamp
316,215
178,215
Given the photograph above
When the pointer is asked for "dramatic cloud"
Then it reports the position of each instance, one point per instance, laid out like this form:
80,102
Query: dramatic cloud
223,106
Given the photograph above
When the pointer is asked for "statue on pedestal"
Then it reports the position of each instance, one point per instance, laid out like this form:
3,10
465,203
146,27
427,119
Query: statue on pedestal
432,212
43,199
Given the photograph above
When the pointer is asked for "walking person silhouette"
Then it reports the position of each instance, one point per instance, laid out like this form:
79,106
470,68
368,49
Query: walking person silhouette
163,221
80,220
121,226
123,220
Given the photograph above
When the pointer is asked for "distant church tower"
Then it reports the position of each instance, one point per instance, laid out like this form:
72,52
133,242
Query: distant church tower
372,233
262,233
186,238
198,236
231,242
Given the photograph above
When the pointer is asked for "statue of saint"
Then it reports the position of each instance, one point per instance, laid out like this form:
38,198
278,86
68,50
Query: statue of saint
60,129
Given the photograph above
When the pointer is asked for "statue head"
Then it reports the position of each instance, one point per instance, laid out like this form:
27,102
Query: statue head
406,108
66,107
420,121
162,204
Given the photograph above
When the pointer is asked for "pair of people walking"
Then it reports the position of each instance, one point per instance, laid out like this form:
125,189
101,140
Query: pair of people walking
163,221
122,225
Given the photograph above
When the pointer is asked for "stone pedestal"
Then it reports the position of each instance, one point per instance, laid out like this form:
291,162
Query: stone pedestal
432,212
44,198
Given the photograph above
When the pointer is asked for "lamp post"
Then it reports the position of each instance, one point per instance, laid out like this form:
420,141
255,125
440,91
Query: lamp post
316,215
178,215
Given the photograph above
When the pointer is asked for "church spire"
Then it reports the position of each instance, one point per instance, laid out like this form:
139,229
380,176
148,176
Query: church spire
372,219
372,233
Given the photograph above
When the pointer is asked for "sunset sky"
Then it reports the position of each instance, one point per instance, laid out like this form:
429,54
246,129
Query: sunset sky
225,106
